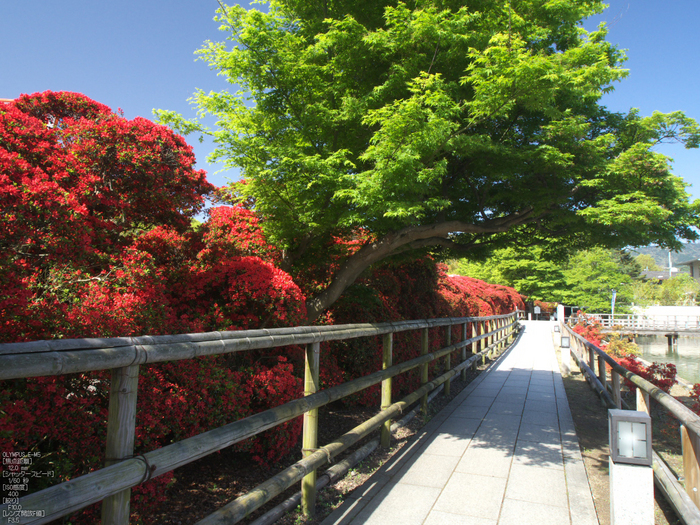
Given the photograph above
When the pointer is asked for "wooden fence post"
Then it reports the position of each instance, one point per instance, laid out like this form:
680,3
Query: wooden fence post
617,396
643,404
310,432
121,432
387,361
464,350
602,372
424,345
691,458
448,359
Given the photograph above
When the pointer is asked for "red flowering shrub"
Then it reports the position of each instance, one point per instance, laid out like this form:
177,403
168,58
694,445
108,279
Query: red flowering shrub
241,293
404,290
97,241
235,231
589,328
662,375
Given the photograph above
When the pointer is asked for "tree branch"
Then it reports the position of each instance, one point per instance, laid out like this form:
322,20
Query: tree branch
410,237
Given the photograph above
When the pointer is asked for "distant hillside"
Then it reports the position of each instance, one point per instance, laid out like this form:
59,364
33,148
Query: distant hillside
689,252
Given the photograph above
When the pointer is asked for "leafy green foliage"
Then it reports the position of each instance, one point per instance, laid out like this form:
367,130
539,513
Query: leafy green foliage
459,126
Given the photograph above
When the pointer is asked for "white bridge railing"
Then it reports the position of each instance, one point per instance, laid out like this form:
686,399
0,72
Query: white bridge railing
649,322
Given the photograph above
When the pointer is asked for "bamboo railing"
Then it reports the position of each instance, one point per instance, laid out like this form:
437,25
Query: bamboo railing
112,484
592,361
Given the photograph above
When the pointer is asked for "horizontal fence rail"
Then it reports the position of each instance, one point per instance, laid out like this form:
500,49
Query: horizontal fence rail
649,322
112,484
592,361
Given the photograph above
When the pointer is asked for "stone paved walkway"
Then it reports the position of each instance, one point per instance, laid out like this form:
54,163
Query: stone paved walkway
503,452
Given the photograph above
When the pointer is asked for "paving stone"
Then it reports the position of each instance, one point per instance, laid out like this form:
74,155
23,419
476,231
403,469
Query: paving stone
535,417
501,421
487,461
447,445
540,433
544,405
504,407
470,411
472,495
459,426
538,454
392,507
428,470
516,512
437,517
537,485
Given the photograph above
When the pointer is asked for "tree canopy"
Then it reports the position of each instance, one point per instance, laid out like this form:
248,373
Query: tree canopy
454,127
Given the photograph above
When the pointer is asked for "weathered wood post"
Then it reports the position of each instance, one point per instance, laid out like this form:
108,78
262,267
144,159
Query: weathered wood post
643,404
502,333
617,396
448,359
121,432
310,432
464,350
387,361
602,372
591,359
691,461
424,370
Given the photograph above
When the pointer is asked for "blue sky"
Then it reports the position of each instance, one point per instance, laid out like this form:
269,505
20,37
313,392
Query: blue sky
139,55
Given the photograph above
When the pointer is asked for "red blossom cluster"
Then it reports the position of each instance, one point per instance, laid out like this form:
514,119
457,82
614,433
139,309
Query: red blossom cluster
97,241
662,375
404,290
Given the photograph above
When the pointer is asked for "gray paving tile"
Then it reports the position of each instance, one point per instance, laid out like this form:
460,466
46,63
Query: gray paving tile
537,485
538,454
437,517
391,507
459,426
447,445
581,506
540,433
511,408
428,470
535,417
484,501
502,421
470,411
544,405
486,461
474,400
516,512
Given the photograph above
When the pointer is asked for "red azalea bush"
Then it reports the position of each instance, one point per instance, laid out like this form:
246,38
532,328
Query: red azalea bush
98,241
588,328
662,375
405,290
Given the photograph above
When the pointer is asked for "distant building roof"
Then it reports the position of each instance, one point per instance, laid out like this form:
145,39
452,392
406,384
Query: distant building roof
688,263
658,275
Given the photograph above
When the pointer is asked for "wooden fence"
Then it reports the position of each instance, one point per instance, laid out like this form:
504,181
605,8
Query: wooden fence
123,356
592,361
635,322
